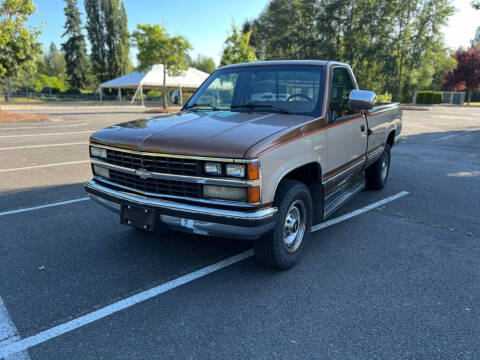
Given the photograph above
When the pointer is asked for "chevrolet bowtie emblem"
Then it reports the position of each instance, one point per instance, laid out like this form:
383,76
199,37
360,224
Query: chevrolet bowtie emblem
144,174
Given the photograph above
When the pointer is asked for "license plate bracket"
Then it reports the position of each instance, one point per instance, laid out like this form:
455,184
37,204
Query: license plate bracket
140,217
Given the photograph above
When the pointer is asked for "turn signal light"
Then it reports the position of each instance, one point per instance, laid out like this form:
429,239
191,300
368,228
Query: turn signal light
254,194
253,173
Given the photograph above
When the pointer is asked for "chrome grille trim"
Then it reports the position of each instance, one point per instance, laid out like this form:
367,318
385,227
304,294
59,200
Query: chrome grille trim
201,158
191,179
238,204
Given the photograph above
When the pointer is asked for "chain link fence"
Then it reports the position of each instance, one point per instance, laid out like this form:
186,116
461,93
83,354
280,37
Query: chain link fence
455,98
152,99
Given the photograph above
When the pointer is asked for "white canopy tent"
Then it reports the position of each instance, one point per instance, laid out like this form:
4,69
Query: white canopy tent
153,78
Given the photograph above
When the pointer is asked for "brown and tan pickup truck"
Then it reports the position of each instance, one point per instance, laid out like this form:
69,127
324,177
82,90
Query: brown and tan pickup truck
261,151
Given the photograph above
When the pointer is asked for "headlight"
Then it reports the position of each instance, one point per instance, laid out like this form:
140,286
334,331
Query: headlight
224,192
213,168
98,152
101,171
236,170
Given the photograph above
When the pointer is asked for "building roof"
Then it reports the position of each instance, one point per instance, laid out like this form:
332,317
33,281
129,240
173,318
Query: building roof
153,78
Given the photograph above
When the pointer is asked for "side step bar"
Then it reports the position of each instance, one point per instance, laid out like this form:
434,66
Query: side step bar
338,201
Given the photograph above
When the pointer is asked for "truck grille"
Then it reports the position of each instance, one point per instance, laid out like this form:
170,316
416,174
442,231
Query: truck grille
156,186
166,165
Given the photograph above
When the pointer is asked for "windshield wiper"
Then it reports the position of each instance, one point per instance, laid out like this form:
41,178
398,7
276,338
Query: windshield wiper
202,105
260,106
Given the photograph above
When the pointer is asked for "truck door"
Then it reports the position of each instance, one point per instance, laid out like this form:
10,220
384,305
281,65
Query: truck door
347,131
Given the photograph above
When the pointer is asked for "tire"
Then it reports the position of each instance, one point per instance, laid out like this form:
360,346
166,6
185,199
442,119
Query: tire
278,249
376,175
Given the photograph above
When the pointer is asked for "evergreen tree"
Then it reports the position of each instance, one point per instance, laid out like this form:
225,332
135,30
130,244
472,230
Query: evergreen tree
109,38
74,48
54,62
237,48
476,40
96,35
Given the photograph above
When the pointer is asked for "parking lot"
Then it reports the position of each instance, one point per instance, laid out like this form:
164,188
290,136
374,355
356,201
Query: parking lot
400,281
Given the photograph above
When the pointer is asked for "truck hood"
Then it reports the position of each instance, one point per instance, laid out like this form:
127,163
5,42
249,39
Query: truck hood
203,133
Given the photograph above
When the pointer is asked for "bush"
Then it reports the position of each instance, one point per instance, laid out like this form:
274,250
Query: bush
72,91
384,98
152,94
437,98
429,97
44,83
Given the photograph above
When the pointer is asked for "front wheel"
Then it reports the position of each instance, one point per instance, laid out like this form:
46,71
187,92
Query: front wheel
283,247
376,175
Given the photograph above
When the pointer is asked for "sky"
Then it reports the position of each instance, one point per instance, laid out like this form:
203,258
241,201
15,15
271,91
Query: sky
206,23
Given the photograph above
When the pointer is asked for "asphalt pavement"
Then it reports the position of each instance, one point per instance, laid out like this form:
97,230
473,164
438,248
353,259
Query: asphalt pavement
401,281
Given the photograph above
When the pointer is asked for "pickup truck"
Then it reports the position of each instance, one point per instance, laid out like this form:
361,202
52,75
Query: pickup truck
261,151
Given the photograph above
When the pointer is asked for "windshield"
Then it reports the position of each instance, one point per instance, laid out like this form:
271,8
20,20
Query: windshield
286,89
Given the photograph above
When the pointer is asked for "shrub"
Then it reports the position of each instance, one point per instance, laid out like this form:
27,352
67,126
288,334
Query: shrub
437,98
384,98
154,94
44,83
429,97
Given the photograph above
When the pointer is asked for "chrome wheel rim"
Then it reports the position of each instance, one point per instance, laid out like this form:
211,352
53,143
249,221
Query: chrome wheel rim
384,166
294,227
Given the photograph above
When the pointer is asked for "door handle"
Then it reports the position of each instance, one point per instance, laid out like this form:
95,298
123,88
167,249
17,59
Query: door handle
362,128
370,132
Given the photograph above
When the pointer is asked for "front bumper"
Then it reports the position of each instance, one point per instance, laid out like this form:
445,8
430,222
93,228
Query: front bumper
190,218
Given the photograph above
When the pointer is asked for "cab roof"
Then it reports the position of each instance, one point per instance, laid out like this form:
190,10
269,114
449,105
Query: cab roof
284,62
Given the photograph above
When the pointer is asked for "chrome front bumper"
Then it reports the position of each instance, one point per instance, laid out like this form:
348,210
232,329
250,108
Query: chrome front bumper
190,218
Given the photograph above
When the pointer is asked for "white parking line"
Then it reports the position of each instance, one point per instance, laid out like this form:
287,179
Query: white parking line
9,334
28,342
41,127
358,212
11,212
41,146
447,137
51,134
44,166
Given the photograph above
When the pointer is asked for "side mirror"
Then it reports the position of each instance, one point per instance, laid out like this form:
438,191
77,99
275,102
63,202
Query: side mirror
362,99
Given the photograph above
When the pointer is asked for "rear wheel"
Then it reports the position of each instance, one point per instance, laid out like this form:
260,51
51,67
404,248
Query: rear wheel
376,175
283,247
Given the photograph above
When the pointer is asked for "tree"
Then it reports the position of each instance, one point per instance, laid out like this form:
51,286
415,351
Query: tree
54,63
109,38
466,74
237,48
117,39
248,27
476,40
74,48
203,63
286,29
155,45
18,44
436,65
96,35
390,44
51,84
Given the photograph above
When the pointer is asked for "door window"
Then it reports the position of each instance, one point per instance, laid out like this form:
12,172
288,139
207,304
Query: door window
342,85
